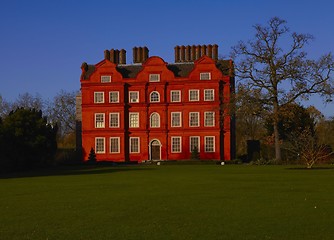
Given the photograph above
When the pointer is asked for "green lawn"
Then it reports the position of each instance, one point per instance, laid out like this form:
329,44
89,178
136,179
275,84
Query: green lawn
169,202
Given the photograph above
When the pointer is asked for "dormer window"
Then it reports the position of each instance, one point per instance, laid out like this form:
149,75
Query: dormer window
205,76
105,79
154,77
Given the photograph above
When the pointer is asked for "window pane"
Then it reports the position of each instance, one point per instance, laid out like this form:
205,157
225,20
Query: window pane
114,119
209,95
134,97
209,144
134,119
155,97
154,77
98,97
205,76
134,145
113,97
194,143
99,120
114,145
176,144
194,119
175,96
155,120
105,79
193,95
176,119
99,145
209,119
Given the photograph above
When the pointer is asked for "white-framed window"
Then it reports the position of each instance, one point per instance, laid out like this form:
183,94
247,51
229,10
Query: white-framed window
209,144
100,145
114,97
99,120
114,145
193,95
194,119
155,120
175,96
176,119
154,77
98,97
209,94
134,145
194,143
205,76
209,119
114,120
133,96
133,119
105,79
154,96
176,144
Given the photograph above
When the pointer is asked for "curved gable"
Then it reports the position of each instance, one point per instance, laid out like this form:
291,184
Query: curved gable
205,65
155,65
105,68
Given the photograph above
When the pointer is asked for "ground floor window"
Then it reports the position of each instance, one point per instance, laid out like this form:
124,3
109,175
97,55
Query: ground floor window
209,144
194,143
134,145
176,144
100,145
114,145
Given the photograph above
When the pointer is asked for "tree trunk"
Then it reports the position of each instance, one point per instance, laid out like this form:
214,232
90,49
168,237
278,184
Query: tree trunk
278,156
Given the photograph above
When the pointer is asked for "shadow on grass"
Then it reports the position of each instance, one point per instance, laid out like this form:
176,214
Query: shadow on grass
73,170
311,169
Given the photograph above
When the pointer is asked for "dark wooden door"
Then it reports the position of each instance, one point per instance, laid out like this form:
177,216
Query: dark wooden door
155,150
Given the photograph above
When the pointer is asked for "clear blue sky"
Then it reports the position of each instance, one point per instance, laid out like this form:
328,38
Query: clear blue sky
43,43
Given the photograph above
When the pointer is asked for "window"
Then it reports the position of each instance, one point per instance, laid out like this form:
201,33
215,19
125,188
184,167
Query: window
154,77
193,95
205,76
176,144
99,120
134,97
98,97
134,145
114,120
133,119
194,143
176,119
209,95
154,97
113,97
114,145
194,119
209,144
99,145
105,79
155,120
209,119
175,96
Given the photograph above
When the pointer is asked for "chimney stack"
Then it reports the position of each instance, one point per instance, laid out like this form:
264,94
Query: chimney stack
194,52
115,56
140,54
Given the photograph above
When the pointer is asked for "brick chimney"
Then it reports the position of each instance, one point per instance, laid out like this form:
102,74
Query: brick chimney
194,52
115,56
140,54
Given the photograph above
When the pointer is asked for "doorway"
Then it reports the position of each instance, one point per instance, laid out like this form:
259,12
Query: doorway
155,147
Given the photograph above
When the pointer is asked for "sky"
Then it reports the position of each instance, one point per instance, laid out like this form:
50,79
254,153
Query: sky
43,43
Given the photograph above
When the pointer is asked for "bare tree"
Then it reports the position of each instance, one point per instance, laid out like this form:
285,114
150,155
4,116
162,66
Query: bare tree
281,71
5,107
28,101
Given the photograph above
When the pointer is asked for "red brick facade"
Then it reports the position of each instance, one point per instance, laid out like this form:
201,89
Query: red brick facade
152,110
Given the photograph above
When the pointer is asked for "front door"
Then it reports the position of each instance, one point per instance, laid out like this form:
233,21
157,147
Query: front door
155,150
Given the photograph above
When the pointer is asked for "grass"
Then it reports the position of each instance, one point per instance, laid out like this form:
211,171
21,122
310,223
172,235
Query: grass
169,202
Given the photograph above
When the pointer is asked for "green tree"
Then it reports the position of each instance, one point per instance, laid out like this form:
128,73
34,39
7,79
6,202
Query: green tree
27,140
281,70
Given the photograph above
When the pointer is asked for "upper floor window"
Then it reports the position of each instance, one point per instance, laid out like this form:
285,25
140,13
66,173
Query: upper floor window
98,97
205,76
153,77
193,95
209,119
154,97
133,119
105,79
175,96
209,95
99,120
155,120
133,96
114,97
100,145
194,119
114,120
176,119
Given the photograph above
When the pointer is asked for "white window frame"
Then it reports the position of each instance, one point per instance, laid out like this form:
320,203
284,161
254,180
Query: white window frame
118,144
155,100
110,97
206,123
97,147
206,94
133,124
179,147
191,98
205,76
154,77
134,100
172,124
98,97
190,119
110,117
97,122
206,147
105,78
191,143
130,144
151,120
178,92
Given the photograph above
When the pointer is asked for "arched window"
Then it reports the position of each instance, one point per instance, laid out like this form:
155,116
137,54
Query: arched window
154,97
155,120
